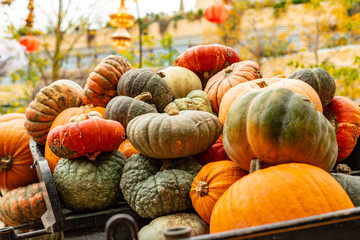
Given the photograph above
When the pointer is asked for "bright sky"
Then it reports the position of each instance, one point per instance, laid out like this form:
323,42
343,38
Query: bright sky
17,12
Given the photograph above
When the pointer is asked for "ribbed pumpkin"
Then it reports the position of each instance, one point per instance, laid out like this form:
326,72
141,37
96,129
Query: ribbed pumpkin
207,60
137,81
278,126
127,148
181,80
102,82
22,205
210,183
71,82
344,115
86,185
229,77
213,154
278,193
15,155
173,135
154,188
123,108
48,103
264,84
320,80
195,100
87,134
11,116
62,119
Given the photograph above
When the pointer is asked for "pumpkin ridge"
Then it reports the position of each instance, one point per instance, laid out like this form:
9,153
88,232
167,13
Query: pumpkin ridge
177,187
44,109
66,91
197,135
157,191
149,136
95,86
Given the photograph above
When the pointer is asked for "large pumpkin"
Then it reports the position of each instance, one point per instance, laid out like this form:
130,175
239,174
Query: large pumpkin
210,183
48,103
136,81
320,80
153,188
15,155
344,115
297,86
101,84
278,126
173,135
207,60
229,77
278,193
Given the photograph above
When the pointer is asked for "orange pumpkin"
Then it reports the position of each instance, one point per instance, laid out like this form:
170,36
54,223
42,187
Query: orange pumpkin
278,193
210,183
11,116
264,84
30,42
15,155
127,148
217,13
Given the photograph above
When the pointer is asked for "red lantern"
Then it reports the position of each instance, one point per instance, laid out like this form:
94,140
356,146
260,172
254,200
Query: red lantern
217,13
32,43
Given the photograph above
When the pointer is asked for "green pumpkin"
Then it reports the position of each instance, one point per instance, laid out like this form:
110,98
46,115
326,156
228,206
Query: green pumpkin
136,81
320,80
174,134
154,189
278,126
196,100
123,108
87,185
351,185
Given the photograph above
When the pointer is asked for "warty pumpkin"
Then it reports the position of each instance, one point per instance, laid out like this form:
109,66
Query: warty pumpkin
210,183
287,191
344,116
278,126
229,77
102,82
195,100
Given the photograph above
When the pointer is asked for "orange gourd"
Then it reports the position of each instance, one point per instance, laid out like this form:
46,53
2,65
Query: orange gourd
127,148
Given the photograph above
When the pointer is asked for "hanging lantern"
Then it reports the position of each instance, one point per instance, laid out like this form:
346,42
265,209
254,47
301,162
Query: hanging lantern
121,39
122,18
31,42
217,13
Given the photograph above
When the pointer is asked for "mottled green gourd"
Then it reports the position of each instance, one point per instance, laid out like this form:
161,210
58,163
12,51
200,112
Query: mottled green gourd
154,189
196,100
87,185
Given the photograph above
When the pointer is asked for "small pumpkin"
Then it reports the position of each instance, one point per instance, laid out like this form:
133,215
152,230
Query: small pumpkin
207,60
155,229
217,13
87,133
85,185
344,116
174,134
196,100
102,82
154,188
22,205
30,42
137,81
127,148
278,193
15,155
351,184
123,108
181,80
210,183
278,126
320,80
229,77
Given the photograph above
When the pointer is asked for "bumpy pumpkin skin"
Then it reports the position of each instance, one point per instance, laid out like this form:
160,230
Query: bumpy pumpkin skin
154,189
86,185
22,205
160,135
320,80
15,155
278,126
196,100
137,81
344,115
278,193
102,82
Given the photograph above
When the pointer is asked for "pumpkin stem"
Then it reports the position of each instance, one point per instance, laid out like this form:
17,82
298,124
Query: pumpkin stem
201,122
171,110
228,70
144,96
255,164
166,165
161,74
262,84
6,162
202,188
343,168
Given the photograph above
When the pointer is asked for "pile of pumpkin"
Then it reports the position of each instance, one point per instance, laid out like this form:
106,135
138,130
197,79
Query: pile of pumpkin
208,134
